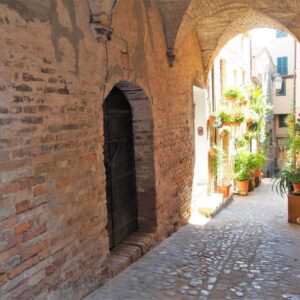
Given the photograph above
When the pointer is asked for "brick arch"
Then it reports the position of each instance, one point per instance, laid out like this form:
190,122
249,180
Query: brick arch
249,20
211,18
144,154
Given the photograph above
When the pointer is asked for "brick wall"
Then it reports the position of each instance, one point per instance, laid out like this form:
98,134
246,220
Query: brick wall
54,77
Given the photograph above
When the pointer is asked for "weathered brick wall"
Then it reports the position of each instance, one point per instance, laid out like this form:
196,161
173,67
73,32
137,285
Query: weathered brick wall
54,77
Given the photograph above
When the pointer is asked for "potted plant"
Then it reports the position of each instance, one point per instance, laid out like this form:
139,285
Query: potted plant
237,118
295,180
242,181
232,94
224,117
212,119
242,171
283,183
260,161
251,117
242,99
250,166
224,188
224,131
290,119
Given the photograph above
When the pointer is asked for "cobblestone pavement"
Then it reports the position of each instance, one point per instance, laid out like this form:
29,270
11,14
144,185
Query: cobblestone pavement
248,251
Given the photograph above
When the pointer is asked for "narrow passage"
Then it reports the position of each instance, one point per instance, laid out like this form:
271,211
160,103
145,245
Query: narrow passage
248,251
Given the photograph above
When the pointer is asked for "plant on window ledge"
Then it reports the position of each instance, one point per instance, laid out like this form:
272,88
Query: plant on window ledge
232,94
224,117
238,117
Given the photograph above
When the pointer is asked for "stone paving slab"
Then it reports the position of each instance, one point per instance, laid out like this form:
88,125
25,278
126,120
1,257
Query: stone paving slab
248,251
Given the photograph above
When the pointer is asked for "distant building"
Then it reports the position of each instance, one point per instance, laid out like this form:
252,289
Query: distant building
282,51
231,67
263,73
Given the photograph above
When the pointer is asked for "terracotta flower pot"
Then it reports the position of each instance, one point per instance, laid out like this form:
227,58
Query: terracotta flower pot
293,208
251,185
226,123
257,181
212,119
230,98
296,187
242,187
258,173
224,189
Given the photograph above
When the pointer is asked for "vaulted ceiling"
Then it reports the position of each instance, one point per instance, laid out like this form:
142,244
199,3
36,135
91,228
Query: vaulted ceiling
217,21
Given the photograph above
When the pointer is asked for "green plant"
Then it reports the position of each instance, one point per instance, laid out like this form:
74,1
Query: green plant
243,142
293,140
225,130
259,110
282,182
232,92
242,175
256,161
260,160
295,176
290,119
254,127
238,117
248,162
241,161
224,116
216,154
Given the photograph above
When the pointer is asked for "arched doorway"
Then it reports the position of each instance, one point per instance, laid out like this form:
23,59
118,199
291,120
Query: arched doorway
120,167
129,164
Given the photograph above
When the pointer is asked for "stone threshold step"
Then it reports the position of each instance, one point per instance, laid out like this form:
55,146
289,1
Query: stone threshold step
134,247
212,205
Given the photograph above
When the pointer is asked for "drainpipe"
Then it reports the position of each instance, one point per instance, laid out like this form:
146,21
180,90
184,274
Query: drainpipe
295,77
251,62
213,104
294,100
214,130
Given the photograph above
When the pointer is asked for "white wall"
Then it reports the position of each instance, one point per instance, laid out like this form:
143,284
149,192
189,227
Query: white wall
201,142
298,82
284,46
236,54
284,104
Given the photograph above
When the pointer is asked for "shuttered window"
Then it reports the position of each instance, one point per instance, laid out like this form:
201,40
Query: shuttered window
282,65
281,119
281,34
282,91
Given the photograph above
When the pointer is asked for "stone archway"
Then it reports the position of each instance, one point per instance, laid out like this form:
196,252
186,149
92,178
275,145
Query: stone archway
142,127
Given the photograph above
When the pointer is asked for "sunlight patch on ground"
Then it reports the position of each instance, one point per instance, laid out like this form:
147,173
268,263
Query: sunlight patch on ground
198,219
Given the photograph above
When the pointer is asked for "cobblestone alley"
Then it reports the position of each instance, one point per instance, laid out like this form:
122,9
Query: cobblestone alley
248,251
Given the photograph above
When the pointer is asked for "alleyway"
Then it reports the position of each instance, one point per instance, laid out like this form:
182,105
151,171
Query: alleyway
248,251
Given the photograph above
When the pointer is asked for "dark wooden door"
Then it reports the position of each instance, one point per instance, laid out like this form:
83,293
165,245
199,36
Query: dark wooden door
120,167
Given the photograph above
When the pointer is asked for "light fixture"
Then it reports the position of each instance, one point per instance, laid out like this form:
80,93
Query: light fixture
278,81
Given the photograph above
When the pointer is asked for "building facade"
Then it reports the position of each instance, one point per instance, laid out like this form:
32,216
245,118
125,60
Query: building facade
280,53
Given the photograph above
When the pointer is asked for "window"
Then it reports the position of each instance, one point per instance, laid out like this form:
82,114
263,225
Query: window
282,65
281,34
282,122
282,91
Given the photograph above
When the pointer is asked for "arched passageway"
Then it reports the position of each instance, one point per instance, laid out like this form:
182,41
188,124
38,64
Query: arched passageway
215,22
128,154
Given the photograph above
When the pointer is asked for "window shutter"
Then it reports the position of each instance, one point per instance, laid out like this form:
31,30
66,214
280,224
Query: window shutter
282,65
